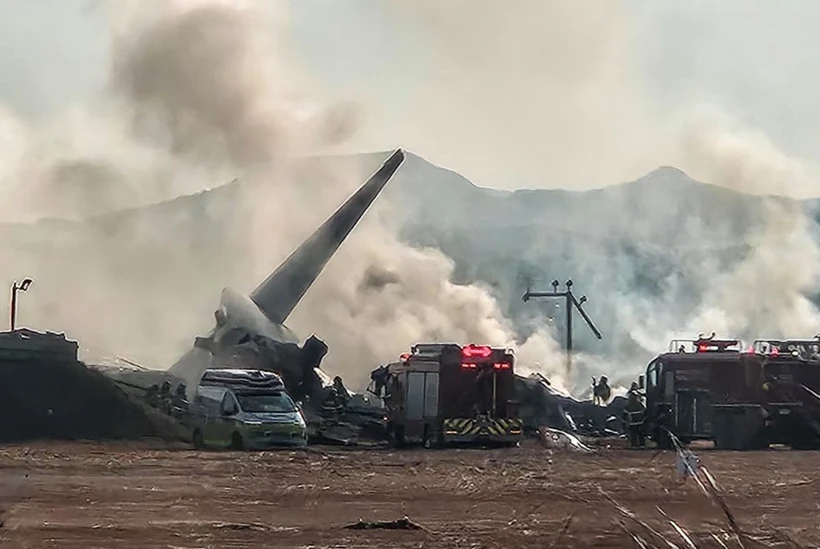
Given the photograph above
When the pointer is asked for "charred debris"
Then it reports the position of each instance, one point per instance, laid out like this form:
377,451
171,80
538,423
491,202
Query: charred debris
337,415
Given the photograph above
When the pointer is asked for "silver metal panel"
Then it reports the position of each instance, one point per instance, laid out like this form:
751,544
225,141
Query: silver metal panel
431,395
669,389
415,395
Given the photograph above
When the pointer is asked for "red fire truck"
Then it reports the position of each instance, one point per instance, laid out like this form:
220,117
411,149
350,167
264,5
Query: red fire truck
443,393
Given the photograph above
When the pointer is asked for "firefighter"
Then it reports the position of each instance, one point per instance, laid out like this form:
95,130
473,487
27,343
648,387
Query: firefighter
379,377
341,391
180,400
165,397
634,415
601,391
152,396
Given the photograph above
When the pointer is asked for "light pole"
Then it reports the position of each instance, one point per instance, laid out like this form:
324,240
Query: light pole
24,285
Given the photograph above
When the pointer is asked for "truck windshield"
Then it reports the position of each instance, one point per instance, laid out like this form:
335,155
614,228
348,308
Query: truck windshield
268,402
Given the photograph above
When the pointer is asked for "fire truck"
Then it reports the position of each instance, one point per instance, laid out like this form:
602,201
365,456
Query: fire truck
682,385
778,400
709,389
442,393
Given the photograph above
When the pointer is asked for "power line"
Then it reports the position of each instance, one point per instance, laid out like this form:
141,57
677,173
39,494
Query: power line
571,302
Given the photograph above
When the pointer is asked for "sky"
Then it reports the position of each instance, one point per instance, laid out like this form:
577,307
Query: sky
521,93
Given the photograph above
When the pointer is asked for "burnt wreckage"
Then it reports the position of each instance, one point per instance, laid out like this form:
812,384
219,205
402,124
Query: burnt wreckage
250,333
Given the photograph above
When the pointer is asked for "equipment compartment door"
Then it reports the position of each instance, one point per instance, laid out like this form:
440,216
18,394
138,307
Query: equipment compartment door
431,395
415,396
694,417
685,413
703,418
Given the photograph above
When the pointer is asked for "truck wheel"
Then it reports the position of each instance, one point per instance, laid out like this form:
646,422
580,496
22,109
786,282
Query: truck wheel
199,442
429,438
396,435
805,444
237,443
664,440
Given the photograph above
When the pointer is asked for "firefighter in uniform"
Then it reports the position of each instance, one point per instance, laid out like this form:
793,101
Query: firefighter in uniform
179,402
634,415
601,391
165,397
152,396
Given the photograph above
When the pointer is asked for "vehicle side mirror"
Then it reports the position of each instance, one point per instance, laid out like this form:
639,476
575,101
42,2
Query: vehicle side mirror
641,382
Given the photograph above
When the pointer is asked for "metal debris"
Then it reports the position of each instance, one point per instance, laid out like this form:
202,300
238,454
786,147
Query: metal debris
400,524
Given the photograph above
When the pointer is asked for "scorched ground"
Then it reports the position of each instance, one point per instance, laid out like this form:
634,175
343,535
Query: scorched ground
77,495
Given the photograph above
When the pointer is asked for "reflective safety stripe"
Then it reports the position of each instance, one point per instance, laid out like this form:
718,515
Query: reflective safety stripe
474,427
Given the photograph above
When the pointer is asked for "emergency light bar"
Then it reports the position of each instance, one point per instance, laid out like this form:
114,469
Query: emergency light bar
474,351
704,345
472,356
794,347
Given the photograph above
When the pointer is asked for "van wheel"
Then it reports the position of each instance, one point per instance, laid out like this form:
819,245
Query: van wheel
236,442
199,442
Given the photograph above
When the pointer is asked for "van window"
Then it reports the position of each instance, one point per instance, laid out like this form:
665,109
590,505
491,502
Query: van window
268,402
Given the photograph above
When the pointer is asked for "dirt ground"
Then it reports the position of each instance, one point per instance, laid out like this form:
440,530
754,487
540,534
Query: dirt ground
89,495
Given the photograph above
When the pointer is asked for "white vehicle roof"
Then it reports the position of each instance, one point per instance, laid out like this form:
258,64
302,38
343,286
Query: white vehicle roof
245,378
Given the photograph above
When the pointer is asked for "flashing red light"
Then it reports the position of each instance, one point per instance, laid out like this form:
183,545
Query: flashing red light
702,348
472,351
404,357
501,365
469,366
775,351
750,350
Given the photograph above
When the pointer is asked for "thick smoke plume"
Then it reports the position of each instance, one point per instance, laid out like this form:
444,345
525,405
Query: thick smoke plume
559,96
766,294
768,291
200,94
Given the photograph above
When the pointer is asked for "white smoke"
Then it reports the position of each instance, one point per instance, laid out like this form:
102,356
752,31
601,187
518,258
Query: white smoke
201,93
765,295
558,92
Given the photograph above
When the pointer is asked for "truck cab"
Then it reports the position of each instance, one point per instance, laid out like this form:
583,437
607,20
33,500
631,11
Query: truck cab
245,410
442,393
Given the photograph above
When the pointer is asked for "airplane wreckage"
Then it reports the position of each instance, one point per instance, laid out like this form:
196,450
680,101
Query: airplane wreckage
250,333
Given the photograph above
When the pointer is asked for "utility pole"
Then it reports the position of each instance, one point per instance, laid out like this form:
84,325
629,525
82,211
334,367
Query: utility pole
571,303
14,289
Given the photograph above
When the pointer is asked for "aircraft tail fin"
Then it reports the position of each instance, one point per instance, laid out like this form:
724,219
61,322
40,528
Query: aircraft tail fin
279,294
